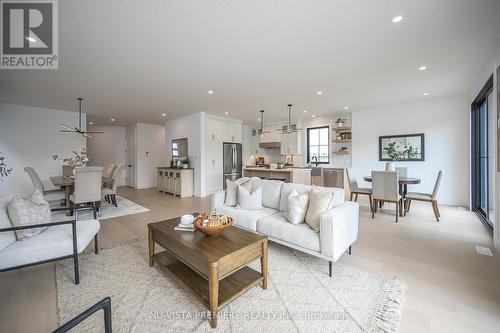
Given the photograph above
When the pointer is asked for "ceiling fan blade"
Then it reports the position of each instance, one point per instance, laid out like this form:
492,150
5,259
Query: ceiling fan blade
67,127
92,132
67,131
85,135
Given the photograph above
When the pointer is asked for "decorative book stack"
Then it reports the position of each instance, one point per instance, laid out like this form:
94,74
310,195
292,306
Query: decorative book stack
186,223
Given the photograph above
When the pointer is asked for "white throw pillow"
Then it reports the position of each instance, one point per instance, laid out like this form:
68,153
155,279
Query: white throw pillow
319,202
26,211
232,189
296,207
247,200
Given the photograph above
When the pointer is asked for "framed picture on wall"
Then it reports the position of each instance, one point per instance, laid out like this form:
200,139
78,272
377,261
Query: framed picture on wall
403,147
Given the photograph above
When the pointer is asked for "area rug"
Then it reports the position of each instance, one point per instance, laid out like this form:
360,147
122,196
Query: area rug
108,210
301,297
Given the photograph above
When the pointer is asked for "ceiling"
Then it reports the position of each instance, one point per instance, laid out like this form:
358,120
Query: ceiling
134,60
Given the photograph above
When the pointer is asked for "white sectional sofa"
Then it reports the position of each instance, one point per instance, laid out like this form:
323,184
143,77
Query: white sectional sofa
61,240
338,225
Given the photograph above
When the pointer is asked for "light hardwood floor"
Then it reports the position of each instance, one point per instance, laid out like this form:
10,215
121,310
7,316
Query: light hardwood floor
451,287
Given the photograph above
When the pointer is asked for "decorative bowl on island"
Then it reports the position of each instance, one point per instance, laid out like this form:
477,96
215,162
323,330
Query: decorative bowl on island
213,225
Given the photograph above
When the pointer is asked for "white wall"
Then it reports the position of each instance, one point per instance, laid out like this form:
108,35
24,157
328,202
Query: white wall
30,136
191,127
445,123
108,148
150,154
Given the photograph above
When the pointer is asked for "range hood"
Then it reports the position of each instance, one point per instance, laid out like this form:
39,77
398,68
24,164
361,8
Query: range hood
270,145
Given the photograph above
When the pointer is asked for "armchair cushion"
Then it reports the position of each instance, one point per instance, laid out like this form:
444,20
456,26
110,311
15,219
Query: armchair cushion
28,211
54,242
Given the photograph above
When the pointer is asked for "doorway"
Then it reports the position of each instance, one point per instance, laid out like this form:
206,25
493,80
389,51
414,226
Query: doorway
131,157
482,155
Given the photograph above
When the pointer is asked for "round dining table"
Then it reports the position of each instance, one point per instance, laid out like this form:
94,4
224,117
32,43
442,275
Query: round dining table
403,184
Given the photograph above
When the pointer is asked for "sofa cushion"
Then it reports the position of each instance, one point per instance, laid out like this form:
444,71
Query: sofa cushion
232,189
297,207
287,188
338,195
247,200
246,218
8,237
271,190
53,242
319,202
28,211
277,226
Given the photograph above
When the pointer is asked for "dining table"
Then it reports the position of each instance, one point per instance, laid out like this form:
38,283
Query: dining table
403,185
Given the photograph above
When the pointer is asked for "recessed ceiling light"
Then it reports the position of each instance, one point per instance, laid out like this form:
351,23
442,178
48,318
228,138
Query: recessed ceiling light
210,92
305,111
91,123
112,119
346,107
397,19
319,93
313,116
31,39
226,113
258,119
426,94
422,68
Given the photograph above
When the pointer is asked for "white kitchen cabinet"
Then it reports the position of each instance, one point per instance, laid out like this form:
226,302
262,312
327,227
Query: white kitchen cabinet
254,143
290,143
214,179
221,130
214,153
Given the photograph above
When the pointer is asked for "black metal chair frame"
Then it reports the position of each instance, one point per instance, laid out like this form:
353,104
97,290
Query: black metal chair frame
75,247
104,304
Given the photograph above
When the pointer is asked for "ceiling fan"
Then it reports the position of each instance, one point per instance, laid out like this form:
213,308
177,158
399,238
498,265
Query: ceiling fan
289,128
261,129
78,130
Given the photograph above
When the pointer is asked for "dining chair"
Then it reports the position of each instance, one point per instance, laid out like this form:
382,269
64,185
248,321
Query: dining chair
402,171
87,189
110,170
109,192
355,190
385,188
51,195
427,197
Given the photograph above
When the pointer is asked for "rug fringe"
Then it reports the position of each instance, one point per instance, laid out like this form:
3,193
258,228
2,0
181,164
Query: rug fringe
388,314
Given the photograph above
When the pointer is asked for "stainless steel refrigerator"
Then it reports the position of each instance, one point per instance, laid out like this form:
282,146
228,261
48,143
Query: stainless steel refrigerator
232,162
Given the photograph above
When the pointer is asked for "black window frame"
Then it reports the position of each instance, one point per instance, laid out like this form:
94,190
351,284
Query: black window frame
329,145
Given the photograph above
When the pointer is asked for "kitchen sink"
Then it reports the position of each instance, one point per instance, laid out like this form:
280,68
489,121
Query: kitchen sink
316,171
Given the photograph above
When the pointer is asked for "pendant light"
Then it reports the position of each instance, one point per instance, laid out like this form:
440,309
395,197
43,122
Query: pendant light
289,128
78,130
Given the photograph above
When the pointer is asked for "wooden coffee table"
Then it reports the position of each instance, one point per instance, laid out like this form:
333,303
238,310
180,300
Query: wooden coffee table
214,269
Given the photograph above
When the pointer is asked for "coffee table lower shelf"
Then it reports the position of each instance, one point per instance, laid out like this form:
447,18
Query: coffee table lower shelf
230,287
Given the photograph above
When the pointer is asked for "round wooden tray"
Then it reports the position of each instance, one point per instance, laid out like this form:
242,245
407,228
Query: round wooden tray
211,231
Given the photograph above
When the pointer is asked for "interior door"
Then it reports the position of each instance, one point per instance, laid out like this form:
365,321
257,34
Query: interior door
131,158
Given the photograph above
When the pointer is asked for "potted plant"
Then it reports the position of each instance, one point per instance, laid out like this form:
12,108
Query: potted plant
185,163
280,164
79,159
4,169
340,122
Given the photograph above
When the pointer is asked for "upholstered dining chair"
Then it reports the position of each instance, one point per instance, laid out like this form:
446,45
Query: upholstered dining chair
402,171
427,197
108,191
51,195
355,190
87,189
110,170
385,188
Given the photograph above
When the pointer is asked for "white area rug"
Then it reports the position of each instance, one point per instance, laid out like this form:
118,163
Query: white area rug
108,210
301,297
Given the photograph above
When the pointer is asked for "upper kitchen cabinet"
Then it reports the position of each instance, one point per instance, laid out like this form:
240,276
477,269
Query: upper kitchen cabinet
219,129
291,142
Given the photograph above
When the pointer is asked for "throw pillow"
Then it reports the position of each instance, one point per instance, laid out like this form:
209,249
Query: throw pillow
247,200
319,202
232,189
296,207
27,211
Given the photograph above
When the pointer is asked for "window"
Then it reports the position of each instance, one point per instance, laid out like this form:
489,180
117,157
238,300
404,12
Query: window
318,145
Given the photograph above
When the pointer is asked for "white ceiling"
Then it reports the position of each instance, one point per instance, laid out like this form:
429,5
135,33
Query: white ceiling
134,60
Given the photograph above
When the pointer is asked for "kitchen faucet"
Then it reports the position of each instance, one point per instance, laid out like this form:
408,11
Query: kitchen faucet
316,158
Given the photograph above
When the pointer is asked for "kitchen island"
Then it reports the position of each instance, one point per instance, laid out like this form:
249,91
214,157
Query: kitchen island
288,175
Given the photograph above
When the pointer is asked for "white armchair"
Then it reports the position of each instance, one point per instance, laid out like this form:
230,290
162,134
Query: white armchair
61,240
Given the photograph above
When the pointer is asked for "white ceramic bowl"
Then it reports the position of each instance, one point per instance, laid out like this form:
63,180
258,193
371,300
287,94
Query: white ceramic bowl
187,219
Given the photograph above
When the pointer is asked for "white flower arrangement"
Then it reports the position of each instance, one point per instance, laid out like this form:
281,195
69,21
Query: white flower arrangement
78,159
